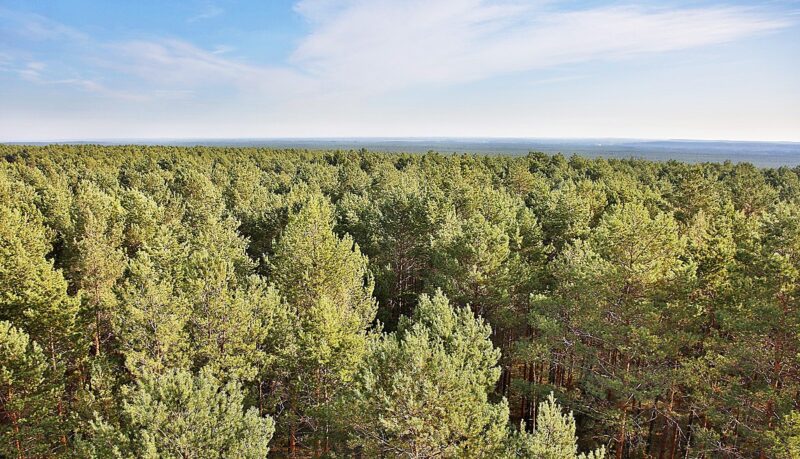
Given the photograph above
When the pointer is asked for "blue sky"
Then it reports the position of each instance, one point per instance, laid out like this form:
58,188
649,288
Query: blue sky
79,69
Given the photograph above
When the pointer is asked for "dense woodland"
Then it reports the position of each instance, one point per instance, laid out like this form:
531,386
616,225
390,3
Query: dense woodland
221,302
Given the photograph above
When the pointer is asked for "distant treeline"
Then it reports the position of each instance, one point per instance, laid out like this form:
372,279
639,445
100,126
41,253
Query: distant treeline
238,302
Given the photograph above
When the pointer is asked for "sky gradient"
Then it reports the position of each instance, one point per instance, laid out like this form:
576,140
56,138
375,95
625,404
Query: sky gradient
78,70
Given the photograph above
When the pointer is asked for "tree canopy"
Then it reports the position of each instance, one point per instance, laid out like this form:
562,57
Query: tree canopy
160,301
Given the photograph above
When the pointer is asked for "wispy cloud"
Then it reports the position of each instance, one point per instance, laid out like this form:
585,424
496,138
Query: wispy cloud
30,26
367,47
37,72
178,64
32,71
209,11
558,79
387,44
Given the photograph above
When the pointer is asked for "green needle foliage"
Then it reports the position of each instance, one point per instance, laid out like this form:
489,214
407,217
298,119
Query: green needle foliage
28,398
178,415
787,437
328,290
553,438
423,392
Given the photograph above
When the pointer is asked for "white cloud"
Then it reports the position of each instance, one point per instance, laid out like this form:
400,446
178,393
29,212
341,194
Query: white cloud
209,11
382,45
178,65
35,27
360,48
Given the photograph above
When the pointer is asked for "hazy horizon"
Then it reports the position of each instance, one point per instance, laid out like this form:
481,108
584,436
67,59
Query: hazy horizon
387,138
758,153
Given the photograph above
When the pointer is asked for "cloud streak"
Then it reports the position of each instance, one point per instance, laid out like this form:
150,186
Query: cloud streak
34,27
360,48
208,12
180,65
385,45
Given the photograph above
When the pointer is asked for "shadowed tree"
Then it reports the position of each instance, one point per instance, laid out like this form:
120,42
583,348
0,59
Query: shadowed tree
29,423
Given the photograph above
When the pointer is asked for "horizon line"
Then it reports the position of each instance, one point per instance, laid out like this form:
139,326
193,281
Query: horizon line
134,140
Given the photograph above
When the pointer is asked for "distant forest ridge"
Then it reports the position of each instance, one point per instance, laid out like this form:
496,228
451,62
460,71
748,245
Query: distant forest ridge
760,154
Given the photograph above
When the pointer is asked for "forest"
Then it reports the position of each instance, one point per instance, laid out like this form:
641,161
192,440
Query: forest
214,302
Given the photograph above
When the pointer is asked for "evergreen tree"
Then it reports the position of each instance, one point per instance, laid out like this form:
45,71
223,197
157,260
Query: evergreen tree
230,307
96,259
325,281
553,438
33,297
177,415
658,299
424,390
152,325
29,423
787,437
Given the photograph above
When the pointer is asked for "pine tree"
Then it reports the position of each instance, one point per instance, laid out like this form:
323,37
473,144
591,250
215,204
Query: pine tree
152,326
606,326
230,308
33,296
471,261
786,438
326,284
553,438
29,422
96,259
424,390
178,415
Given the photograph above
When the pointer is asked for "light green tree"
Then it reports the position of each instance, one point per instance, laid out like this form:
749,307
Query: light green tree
787,437
553,438
230,308
424,390
328,289
152,327
178,415
33,295
471,261
96,259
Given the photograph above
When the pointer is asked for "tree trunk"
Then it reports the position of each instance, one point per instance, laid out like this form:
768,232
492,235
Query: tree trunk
97,331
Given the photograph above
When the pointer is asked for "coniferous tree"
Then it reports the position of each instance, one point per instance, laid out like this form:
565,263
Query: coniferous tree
424,390
786,438
553,438
29,423
659,300
97,261
178,415
33,297
325,281
152,326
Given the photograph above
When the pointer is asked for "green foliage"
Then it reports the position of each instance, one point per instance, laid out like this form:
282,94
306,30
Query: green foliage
787,437
659,301
33,295
95,256
424,389
28,398
152,327
328,289
178,415
553,438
